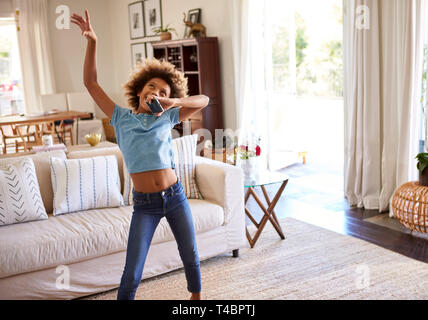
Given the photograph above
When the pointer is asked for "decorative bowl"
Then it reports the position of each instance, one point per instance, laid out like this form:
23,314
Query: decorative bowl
93,139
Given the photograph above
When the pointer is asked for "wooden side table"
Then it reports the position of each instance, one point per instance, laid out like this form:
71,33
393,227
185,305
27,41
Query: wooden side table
262,179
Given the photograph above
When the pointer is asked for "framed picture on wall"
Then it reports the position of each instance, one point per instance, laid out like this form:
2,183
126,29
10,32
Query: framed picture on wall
139,53
152,16
136,20
194,16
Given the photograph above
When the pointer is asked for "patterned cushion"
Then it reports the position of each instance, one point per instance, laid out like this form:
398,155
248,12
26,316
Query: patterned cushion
185,168
43,171
83,184
20,198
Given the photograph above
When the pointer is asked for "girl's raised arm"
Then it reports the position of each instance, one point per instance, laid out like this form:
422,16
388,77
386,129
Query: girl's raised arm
90,66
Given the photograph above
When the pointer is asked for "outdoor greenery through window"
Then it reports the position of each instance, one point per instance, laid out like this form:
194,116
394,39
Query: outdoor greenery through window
316,66
307,82
11,90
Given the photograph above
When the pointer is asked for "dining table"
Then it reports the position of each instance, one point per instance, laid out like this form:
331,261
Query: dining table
39,118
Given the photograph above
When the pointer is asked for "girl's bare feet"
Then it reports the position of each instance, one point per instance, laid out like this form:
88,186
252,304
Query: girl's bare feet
196,296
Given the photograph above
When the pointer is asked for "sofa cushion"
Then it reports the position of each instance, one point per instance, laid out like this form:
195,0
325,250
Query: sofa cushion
83,235
101,151
43,171
83,184
20,199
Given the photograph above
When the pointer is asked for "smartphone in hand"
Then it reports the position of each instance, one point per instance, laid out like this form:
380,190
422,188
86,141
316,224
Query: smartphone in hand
155,106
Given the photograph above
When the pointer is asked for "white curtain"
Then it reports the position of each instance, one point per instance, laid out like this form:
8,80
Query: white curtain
35,52
382,97
252,69
425,124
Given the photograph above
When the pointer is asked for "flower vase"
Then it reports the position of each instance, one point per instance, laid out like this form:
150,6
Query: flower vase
249,167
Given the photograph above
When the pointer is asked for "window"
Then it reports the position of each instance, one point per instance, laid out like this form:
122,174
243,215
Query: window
423,143
307,82
11,89
307,48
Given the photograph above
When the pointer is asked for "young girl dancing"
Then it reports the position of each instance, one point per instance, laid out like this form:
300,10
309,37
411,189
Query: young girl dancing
145,141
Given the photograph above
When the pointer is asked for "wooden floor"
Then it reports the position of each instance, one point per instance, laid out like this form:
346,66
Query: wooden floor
314,194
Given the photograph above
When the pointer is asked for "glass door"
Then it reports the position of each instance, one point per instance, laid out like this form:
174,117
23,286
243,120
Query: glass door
306,109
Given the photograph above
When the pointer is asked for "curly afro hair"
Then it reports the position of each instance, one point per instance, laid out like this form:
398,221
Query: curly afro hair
155,68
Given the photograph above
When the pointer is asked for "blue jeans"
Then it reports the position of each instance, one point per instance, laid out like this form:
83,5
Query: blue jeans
149,208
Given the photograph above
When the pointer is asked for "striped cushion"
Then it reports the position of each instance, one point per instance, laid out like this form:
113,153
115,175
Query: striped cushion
185,161
20,199
185,164
83,184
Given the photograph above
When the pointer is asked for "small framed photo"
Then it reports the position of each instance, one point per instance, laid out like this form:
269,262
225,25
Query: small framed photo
139,53
136,20
152,16
194,16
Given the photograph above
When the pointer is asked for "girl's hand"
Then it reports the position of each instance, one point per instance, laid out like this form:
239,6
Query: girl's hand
167,103
85,26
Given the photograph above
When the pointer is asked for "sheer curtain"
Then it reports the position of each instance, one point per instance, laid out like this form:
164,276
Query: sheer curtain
383,69
35,52
252,69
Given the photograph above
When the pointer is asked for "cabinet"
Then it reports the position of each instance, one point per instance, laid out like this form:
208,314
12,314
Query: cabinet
198,58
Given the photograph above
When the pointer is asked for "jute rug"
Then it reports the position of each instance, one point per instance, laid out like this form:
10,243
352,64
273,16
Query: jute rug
311,263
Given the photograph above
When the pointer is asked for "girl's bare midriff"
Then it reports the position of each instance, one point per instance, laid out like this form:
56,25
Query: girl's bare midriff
153,181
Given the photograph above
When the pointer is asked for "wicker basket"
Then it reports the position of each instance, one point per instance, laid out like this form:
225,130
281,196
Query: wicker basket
410,206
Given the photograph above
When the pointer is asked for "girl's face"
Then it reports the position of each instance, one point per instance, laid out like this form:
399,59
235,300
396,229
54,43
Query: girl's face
154,87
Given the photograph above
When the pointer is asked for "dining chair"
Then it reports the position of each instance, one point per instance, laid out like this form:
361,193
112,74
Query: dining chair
83,102
28,137
18,136
61,128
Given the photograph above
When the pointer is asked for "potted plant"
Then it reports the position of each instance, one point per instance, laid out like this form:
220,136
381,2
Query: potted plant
422,166
164,32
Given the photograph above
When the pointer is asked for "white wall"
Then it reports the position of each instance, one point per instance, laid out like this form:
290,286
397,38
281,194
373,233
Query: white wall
214,15
6,9
69,46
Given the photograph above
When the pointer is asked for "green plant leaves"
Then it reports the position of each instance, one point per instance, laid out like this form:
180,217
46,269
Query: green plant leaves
164,29
422,161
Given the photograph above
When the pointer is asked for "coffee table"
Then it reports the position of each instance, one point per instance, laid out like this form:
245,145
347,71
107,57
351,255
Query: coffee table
261,179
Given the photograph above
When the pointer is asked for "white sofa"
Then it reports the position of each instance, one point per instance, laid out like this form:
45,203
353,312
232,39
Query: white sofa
92,244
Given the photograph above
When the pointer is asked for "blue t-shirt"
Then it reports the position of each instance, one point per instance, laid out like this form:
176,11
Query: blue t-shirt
145,139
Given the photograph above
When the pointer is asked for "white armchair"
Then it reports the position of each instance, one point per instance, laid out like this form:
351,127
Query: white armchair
223,184
83,102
